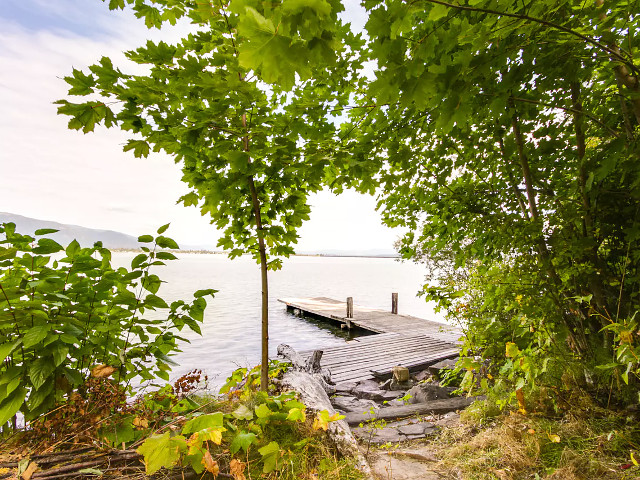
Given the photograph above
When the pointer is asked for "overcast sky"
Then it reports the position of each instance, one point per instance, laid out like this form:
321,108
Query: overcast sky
52,173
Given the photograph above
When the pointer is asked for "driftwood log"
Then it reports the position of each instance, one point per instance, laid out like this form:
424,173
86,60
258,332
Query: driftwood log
444,405
312,383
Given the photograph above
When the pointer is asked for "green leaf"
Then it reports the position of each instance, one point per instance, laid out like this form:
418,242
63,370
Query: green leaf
151,283
437,12
7,348
145,238
138,260
243,413
35,335
270,456
11,405
163,229
242,440
152,300
202,293
46,246
72,248
296,415
212,420
162,451
60,352
45,231
166,242
40,371
263,411
140,148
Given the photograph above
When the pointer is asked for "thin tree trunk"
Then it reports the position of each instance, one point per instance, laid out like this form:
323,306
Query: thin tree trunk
264,368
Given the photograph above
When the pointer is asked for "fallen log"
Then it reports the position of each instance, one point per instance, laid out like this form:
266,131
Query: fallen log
444,405
313,393
310,366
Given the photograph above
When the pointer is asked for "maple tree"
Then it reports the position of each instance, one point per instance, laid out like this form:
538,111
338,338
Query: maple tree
240,103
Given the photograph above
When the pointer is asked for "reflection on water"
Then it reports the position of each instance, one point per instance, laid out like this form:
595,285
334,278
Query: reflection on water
231,330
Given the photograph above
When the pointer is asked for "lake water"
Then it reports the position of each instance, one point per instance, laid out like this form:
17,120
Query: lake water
231,330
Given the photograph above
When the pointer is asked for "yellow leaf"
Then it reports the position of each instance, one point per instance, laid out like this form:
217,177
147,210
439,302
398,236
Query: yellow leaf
236,468
626,336
214,435
4,471
520,396
210,464
140,422
319,423
102,371
489,376
553,437
194,443
531,431
633,459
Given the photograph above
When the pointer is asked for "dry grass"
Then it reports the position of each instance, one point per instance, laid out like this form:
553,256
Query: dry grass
516,447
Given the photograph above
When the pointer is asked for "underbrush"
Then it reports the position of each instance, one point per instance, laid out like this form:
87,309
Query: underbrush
241,434
580,445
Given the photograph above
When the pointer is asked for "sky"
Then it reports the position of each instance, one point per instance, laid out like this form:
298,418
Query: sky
52,173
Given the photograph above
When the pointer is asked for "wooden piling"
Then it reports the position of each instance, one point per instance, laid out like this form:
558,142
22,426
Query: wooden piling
349,307
394,303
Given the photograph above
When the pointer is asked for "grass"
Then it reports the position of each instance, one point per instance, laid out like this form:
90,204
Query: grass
577,446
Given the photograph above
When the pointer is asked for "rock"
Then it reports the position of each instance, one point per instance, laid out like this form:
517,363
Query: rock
400,374
395,385
415,428
395,403
385,464
386,385
378,435
378,395
349,403
345,387
449,364
366,384
422,376
426,392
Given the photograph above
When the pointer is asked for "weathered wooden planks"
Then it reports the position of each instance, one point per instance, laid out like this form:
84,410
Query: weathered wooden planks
372,319
356,360
400,339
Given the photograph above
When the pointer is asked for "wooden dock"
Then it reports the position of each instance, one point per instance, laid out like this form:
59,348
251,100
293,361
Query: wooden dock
401,339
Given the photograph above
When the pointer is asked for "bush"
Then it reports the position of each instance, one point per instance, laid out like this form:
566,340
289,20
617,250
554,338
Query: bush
66,315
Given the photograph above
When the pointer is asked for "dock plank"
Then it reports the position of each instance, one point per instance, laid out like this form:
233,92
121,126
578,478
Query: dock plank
398,340
372,319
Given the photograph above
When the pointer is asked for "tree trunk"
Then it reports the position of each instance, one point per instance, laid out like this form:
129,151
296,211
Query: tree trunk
264,369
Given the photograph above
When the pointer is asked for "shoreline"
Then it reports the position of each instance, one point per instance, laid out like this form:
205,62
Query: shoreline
214,252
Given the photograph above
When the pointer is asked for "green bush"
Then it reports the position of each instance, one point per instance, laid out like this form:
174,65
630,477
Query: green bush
67,314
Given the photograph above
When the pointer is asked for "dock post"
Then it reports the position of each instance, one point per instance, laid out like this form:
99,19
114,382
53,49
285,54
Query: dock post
394,303
349,307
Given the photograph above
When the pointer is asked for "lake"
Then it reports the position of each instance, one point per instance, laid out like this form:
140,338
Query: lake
231,330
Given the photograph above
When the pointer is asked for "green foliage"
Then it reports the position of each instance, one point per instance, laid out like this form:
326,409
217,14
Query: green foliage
204,103
268,440
504,137
67,314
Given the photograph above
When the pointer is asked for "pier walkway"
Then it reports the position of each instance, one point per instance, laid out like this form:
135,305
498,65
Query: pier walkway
402,340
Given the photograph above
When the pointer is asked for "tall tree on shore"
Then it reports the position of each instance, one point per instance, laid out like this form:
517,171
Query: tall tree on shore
240,103
505,137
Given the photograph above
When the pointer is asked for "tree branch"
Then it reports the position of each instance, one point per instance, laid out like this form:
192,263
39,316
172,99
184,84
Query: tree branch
562,28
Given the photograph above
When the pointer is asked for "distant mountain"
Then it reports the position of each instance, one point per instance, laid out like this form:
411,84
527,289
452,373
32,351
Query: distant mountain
85,236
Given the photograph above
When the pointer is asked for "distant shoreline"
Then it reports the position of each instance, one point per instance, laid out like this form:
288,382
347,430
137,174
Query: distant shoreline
214,252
